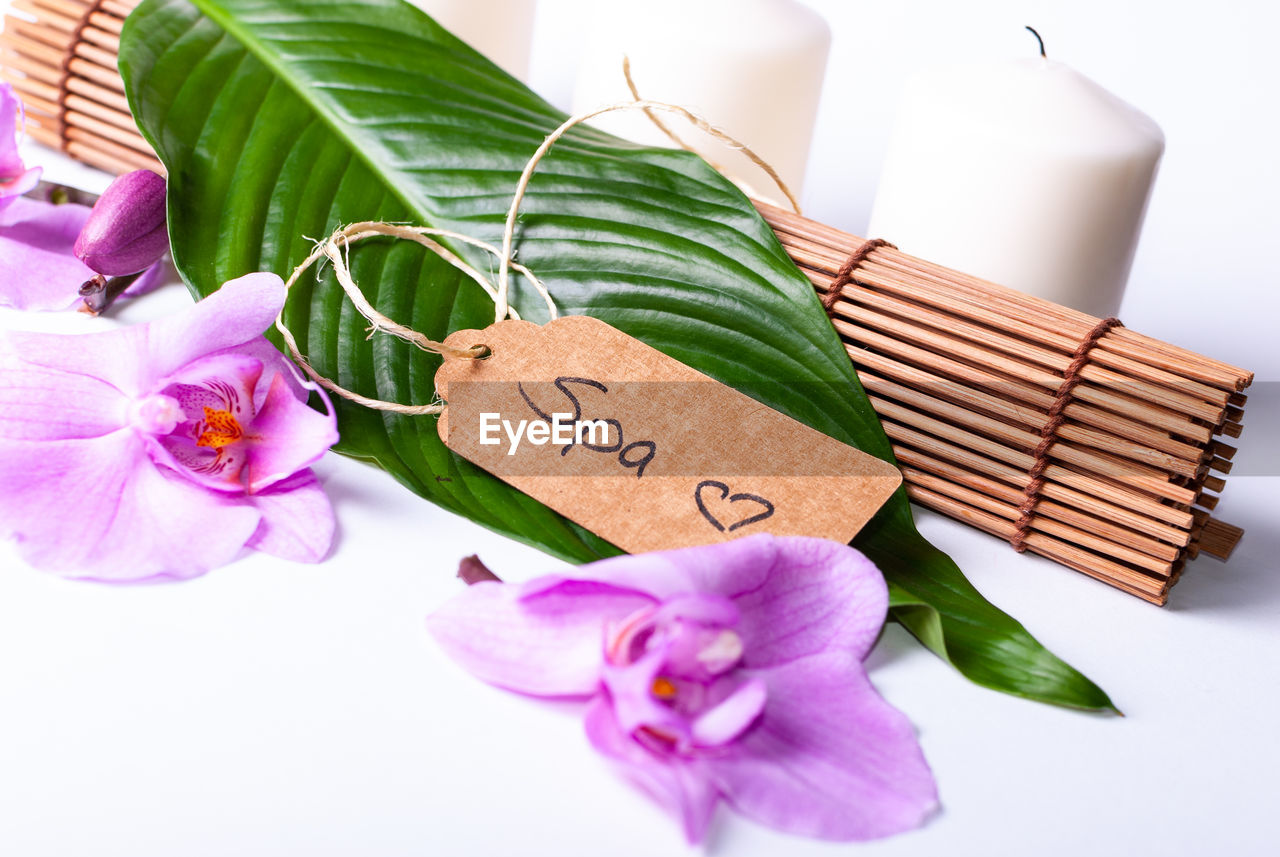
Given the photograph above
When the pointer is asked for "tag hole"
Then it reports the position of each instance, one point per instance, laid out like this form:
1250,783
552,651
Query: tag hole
482,351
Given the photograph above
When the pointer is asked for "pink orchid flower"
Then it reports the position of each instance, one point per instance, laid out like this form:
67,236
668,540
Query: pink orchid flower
163,449
727,672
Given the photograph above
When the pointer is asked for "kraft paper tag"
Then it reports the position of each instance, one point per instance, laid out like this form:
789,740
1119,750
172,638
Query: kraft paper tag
641,449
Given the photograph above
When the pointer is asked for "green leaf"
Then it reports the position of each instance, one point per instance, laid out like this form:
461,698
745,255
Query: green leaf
280,120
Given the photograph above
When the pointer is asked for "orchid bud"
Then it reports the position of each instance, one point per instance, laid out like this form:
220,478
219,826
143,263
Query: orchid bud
126,233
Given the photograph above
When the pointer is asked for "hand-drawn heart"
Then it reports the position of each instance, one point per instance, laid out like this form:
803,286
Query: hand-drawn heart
724,494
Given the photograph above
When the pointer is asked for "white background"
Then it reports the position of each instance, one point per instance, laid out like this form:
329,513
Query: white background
273,709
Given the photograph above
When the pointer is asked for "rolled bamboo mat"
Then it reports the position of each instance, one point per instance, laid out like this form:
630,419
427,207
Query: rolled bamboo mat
60,56
964,374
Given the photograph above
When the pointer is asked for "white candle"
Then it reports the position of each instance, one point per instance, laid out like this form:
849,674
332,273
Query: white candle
753,68
502,30
1024,173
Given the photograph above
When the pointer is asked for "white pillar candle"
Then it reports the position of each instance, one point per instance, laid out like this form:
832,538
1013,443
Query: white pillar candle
753,68
502,30
1024,173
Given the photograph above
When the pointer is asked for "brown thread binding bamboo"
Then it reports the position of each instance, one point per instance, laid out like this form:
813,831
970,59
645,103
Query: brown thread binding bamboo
963,373
845,275
1049,434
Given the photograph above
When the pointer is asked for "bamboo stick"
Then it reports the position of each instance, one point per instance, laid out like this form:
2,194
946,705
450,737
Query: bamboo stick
1071,489
35,96
101,75
107,24
1121,425
107,131
1141,405
1049,526
1059,551
995,450
1220,539
102,38
12,60
75,103
31,49
50,35
1152,480
1014,413
101,159
81,140
989,333
73,9
918,461
101,94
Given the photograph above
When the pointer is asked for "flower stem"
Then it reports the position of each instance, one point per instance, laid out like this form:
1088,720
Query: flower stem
472,570
100,292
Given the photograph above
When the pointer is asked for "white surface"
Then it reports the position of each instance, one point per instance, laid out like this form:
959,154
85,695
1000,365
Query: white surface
754,68
272,710
1022,172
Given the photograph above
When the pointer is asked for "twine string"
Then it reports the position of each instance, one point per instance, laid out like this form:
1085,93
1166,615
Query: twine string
1049,431
336,247
335,250
679,141
508,235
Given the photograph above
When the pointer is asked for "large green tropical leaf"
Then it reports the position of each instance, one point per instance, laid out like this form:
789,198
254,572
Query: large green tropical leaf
280,120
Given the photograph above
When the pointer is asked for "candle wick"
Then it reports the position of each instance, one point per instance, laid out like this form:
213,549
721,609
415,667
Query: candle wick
1038,39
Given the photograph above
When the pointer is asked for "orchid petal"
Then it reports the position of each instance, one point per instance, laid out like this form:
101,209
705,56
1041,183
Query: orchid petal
273,362
134,359
111,356
151,279
682,787
39,272
17,184
545,644
828,758
819,596
233,315
297,519
729,568
37,403
287,437
99,509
